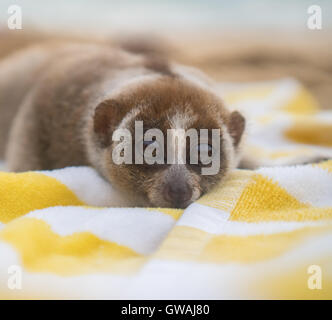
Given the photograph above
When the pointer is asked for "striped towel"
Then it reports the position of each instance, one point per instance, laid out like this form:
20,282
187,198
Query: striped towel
264,233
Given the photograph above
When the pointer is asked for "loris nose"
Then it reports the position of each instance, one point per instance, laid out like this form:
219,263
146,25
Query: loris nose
178,194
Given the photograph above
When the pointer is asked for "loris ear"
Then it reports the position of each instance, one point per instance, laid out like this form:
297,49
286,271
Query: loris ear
236,125
107,116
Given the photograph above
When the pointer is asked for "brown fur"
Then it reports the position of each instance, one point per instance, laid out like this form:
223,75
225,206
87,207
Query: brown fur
67,103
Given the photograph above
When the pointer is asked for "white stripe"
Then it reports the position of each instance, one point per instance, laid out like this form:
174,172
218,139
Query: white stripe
88,186
140,229
204,218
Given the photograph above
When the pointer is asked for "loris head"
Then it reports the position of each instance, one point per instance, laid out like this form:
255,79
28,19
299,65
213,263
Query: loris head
149,143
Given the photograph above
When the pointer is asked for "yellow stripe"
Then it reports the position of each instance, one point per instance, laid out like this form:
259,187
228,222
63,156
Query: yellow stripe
301,103
225,195
256,247
21,193
183,243
265,200
188,243
42,250
310,131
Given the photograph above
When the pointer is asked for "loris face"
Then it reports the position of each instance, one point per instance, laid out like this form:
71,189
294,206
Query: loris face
164,159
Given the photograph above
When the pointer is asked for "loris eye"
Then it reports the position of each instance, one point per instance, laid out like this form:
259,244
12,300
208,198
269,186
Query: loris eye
204,147
204,153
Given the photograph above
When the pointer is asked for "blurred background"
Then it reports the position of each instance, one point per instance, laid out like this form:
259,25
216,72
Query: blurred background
238,40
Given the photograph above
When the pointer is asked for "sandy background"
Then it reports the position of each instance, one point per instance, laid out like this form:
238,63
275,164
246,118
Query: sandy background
238,40
233,56
249,57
